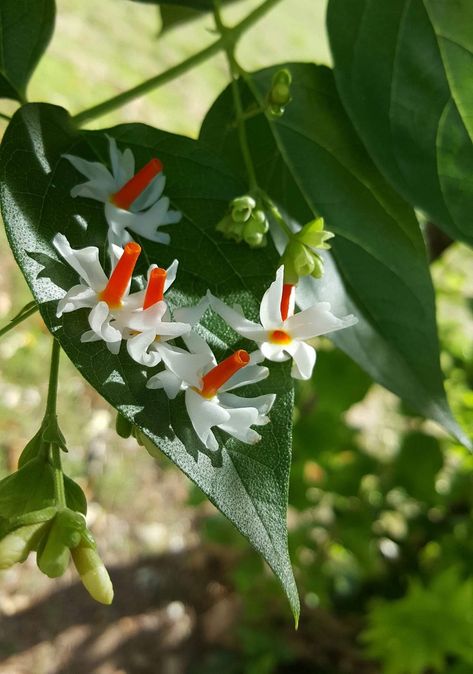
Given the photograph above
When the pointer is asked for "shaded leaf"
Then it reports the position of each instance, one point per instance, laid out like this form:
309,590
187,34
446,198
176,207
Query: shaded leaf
26,27
409,95
311,162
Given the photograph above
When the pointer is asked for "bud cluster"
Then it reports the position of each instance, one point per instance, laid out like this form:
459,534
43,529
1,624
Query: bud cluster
300,257
245,221
280,93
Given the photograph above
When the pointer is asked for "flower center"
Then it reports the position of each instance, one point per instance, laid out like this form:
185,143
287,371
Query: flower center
117,285
155,289
287,300
221,373
279,337
136,185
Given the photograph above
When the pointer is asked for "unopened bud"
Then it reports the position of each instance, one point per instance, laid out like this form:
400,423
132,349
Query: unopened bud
298,260
93,574
65,533
314,235
123,426
242,208
16,545
255,229
280,92
318,270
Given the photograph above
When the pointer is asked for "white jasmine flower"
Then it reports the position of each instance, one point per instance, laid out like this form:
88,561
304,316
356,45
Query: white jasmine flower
282,334
207,385
148,324
105,297
133,203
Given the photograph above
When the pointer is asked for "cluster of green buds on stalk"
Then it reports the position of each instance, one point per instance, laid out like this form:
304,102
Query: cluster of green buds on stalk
279,95
52,520
300,257
245,221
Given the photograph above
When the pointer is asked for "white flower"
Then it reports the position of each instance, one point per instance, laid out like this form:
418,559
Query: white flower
104,296
132,202
147,324
207,385
283,334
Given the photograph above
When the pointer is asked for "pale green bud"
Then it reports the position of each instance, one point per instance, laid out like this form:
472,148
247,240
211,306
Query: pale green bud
65,533
255,229
298,261
314,235
93,574
242,208
280,92
16,545
318,270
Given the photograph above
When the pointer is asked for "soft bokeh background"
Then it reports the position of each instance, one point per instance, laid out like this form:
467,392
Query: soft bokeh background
380,513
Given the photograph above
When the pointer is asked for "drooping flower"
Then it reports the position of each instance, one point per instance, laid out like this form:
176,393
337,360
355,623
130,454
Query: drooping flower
207,385
105,297
282,334
133,202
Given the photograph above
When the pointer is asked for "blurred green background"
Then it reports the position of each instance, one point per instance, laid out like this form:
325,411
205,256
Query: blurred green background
381,502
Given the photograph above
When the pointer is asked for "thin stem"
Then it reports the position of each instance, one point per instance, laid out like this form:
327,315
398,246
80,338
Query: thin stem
175,71
25,313
55,451
5,117
274,211
229,47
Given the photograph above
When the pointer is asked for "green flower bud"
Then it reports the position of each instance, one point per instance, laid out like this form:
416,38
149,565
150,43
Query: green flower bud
16,545
255,229
93,573
280,92
66,532
242,208
298,261
123,426
318,270
314,235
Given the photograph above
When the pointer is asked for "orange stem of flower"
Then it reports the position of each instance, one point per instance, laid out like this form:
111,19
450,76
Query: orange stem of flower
286,299
136,185
155,289
121,276
221,373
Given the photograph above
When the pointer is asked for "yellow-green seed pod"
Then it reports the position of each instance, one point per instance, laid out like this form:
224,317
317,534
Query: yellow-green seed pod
93,574
16,545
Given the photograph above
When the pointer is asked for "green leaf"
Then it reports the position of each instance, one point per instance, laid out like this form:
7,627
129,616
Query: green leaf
409,95
312,163
26,27
30,488
173,16
248,484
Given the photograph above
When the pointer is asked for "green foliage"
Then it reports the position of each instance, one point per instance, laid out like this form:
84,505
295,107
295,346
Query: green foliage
248,483
311,162
409,98
425,627
26,27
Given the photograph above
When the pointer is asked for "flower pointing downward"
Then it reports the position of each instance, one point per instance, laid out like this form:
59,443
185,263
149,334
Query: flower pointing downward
282,334
206,384
133,202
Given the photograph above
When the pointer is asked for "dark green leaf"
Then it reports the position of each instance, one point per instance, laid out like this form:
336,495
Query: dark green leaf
26,27
311,162
247,483
30,488
409,95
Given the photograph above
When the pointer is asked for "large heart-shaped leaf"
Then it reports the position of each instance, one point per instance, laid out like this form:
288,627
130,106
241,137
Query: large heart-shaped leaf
26,27
248,484
403,69
311,162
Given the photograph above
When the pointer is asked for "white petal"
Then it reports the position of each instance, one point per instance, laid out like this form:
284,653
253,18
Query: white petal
262,403
189,367
99,321
274,352
270,309
193,314
237,321
77,297
247,375
316,320
171,273
100,183
303,357
123,165
84,261
239,424
197,344
204,414
140,223
139,349
166,380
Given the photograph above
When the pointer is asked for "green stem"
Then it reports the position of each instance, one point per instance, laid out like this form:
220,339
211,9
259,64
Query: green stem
25,313
177,70
5,117
229,47
55,451
274,211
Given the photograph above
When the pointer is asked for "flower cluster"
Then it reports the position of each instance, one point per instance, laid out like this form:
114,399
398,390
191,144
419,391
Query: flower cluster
145,322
